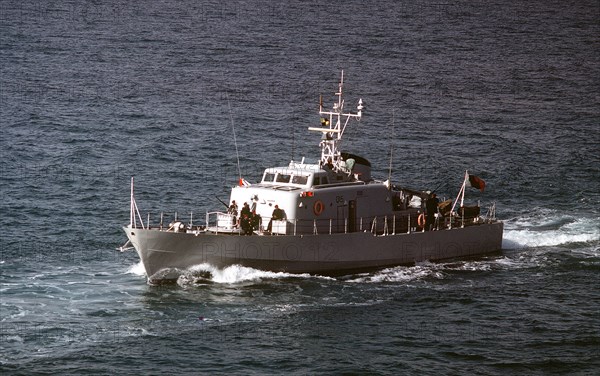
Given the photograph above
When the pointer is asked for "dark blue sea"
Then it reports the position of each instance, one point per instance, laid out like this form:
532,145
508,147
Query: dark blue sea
95,92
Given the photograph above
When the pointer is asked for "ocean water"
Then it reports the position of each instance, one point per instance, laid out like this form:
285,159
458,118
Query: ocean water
92,93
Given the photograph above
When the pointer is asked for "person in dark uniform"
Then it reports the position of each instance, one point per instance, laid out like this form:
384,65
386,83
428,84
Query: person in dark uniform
245,221
233,210
255,220
431,207
278,215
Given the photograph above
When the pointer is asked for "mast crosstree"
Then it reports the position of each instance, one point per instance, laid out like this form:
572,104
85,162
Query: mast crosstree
333,125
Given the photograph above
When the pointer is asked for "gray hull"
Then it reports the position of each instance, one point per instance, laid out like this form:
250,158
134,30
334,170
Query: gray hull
161,251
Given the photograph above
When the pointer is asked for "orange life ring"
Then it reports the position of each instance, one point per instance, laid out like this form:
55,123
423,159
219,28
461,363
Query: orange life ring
421,220
318,207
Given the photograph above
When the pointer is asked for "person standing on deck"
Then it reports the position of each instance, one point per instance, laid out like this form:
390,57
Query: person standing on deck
233,210
245,221
431,207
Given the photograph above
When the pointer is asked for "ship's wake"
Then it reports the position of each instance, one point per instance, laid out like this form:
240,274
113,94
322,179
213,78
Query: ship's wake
549,228
423,272
432,272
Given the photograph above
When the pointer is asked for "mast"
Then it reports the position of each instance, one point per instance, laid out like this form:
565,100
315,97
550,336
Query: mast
133,210
333,125
461,192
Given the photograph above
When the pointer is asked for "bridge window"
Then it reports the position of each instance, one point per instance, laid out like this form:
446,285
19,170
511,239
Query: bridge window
268,178
299,179
283,178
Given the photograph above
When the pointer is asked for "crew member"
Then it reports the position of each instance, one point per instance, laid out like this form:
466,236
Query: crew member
255,220
431,206
278,215
245,221
233,210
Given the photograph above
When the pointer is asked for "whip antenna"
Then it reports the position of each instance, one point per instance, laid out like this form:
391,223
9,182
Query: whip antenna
237,154
391,147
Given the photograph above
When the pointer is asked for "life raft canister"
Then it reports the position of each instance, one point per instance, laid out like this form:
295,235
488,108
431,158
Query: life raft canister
421,220
318,207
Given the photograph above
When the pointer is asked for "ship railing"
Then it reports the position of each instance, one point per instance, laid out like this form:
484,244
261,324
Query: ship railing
174,224
223,222
378,225
490,216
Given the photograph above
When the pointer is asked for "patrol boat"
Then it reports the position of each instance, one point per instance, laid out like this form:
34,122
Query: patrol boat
329,218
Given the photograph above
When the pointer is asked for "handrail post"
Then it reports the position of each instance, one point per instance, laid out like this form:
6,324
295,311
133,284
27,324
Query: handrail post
385,226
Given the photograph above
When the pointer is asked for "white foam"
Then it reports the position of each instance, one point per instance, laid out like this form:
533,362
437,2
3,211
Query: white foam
443,270
14,338
525,260
545,227
137,269
402,274
527,238
237,273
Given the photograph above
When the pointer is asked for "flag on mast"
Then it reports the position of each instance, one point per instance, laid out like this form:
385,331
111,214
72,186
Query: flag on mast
476,182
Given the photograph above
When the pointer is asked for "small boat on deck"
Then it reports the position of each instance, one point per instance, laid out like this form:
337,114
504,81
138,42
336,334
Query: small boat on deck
330,217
